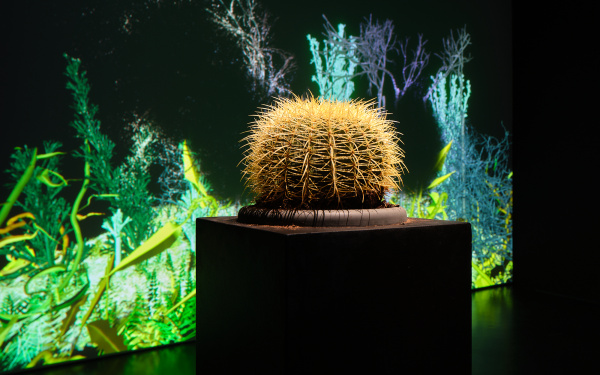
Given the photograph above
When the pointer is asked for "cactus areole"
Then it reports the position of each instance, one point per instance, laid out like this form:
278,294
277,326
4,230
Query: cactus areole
306,157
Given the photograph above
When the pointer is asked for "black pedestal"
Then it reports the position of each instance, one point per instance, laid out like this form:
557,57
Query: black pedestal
378,300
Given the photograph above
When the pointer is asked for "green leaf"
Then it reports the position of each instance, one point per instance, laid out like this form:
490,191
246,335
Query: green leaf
481,282
5,329
439,180
48,271
100,290
438,205
105,337
14,266
184,300
70,318
439,164
157,243
191,174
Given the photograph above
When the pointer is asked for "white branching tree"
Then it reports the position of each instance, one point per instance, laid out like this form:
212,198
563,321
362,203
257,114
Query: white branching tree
269,68
453,57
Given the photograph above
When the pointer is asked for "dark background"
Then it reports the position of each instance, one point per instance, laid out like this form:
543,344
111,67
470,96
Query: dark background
174,67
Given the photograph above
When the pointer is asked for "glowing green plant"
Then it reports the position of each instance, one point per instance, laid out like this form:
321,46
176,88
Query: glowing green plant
31,339
51,286
59,308
36,242
38,237
433,204
115,227
493,264
155,320
481,192
130,196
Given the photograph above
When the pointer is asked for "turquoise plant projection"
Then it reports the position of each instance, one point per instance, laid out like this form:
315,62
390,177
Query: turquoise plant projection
474,182
65,295
322,154
480,192
335,65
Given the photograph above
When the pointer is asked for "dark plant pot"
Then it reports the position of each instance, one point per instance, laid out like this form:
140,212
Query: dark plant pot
323,218
386,299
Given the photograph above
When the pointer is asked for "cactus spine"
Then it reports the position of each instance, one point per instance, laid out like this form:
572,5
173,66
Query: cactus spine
308,153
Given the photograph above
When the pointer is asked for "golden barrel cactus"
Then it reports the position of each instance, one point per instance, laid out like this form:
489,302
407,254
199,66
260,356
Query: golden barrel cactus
309,153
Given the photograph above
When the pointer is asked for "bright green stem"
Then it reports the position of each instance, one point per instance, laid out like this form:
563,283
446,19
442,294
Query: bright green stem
12,198
482,274
75,223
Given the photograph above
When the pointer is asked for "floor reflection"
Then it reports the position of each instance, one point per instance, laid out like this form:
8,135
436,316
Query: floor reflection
513,332
164,360
492,335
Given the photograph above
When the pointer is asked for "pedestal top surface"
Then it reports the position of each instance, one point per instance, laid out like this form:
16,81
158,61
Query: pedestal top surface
291,230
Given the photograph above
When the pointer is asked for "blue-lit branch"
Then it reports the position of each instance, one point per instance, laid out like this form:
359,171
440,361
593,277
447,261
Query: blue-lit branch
453,58
370,54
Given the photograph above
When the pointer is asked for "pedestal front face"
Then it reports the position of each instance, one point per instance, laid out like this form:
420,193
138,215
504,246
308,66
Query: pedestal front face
291,300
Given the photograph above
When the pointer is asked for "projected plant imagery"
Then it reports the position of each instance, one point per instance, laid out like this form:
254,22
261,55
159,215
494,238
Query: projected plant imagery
97,216
131,287
473,183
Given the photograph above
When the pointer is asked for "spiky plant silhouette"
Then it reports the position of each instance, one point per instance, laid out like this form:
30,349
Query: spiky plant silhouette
309,153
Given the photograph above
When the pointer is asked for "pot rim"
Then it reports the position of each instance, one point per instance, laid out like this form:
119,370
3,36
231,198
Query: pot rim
323,218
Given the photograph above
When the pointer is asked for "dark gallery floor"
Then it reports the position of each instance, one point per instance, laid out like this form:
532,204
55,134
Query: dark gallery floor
514,332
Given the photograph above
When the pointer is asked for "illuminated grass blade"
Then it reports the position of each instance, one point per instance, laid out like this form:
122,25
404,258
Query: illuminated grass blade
71,315
50,155
157,243
191,174
44,177
12,198
439,180
439,164
5,329
100,290
187,298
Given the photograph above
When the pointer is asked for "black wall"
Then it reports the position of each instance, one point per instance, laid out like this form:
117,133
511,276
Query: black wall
556,218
